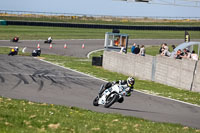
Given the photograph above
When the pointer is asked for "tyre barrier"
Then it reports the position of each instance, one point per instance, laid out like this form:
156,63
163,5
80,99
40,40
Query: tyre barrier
103,26
97,61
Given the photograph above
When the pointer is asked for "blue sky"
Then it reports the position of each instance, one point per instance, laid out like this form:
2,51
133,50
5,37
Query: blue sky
100,7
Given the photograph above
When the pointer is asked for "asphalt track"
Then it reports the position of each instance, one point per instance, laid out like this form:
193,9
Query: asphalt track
74,47
35,80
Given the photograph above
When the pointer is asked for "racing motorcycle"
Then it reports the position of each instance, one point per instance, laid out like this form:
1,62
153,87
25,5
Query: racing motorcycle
108,96
15,39
48,41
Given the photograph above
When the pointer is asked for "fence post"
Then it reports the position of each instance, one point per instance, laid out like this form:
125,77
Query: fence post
153,68
194,73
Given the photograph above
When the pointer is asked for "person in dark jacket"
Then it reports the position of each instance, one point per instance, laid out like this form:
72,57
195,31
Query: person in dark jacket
137,49
133,48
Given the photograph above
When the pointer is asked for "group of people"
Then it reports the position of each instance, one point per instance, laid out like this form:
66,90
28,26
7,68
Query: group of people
186,54
136,49
164,51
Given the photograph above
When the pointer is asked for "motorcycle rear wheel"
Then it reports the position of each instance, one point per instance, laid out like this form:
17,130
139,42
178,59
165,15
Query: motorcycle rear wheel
111,99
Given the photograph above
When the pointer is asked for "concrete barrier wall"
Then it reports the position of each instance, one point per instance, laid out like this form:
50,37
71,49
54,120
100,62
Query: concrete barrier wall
128,64
196,84
172,72
169,71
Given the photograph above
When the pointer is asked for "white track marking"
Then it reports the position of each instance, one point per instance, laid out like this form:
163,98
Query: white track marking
88,55
23,50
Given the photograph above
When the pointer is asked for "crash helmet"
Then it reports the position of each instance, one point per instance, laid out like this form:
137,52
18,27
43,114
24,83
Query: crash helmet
12,50
130,81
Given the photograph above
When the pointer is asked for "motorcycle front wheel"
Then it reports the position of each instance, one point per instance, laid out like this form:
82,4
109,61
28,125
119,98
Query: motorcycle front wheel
111,99
95,101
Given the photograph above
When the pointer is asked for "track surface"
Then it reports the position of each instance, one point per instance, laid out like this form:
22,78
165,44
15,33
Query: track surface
31,79
74,47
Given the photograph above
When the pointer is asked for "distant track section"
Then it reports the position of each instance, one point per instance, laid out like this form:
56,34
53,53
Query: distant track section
101,26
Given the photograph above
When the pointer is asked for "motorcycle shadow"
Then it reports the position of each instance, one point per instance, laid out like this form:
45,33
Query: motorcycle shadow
131,110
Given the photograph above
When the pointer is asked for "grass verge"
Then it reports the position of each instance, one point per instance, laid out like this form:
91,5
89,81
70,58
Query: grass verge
93,20
19,116
40,32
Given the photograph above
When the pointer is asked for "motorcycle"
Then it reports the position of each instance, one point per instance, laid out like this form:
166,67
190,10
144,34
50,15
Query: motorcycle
13,51
15,39
48,41
108,96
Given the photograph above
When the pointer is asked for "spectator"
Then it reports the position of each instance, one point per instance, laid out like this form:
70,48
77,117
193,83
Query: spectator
186,53
137,49
133,48
194,56
178,54
165,50
161,48
173,46
142,51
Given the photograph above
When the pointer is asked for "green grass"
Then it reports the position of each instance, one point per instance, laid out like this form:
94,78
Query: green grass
19,116
40,32
92,20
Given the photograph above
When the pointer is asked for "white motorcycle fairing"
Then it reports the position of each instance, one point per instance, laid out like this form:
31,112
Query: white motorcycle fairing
112,90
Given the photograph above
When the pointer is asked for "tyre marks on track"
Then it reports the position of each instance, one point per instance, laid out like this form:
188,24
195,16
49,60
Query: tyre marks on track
42,78
26,72
2,79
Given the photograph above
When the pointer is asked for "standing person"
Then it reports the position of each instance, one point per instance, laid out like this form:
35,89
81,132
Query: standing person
142,51
133,48
165,51
137,49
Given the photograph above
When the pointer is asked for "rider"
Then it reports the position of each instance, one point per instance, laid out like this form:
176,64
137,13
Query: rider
127,85
49,39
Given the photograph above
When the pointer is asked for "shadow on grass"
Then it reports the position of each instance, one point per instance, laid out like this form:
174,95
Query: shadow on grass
132,110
